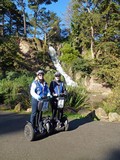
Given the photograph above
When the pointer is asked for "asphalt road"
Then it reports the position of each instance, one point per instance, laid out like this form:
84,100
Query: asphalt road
85,140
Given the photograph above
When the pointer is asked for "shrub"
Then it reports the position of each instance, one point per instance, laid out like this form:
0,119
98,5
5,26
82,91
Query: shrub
15,90
85,66
108,69
76,98
112,104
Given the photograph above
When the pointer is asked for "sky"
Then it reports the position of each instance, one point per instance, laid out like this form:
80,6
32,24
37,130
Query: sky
59,7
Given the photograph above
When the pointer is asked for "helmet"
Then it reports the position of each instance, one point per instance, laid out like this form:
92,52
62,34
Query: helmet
40,72
57,74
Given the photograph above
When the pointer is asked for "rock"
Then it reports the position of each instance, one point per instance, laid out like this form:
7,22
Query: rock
18,107
114,117
24,46
29,110
101,114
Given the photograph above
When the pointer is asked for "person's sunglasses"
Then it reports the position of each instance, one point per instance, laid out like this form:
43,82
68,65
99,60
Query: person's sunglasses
40,75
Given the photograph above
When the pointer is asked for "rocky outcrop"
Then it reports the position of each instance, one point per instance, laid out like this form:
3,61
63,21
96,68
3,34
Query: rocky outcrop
24,46
94,86
28,45
97,91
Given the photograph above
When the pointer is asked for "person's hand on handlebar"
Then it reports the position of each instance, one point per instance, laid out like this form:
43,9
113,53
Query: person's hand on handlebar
39,98
49,97
55,95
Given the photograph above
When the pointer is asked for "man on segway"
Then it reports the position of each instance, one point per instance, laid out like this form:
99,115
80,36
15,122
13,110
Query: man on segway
58,92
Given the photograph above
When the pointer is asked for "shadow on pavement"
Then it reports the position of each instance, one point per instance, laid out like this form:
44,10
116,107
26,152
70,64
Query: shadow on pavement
78,122
114,154
12,122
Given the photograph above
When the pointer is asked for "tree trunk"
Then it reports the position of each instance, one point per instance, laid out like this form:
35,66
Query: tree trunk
2,24
24,19
92,36
92,42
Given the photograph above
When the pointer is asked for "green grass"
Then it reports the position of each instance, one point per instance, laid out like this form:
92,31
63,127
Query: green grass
74,116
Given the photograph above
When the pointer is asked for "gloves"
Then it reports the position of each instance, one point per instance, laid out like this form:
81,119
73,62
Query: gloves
63,94
49,97
39,98
55,95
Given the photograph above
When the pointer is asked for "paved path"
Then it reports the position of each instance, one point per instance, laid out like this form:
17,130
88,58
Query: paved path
85,140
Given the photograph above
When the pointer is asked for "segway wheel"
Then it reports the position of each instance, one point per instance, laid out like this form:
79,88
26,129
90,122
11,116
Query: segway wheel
29,132
66,125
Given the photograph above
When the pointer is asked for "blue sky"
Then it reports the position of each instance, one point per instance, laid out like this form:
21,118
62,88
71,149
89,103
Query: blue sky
59,7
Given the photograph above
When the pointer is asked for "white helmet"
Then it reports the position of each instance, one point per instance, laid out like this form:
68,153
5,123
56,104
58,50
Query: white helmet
40,72
57,74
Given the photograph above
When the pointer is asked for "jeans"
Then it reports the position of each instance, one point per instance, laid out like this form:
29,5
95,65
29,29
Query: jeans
34,104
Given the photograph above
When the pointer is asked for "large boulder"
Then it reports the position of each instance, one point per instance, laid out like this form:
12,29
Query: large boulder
114,117
101,114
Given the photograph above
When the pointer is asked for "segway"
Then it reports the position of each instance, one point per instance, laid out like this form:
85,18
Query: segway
42,124
63,123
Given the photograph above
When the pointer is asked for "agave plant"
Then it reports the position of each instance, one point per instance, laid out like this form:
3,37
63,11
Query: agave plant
76,98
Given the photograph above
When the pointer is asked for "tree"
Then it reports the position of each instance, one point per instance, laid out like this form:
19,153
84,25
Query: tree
109,40
22,4
95,25
9,57
51,24
34,2
84,24
1,19
35,6
11,19
4,4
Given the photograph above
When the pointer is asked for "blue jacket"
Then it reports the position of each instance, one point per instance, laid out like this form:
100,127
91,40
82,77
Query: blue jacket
39,90
57,88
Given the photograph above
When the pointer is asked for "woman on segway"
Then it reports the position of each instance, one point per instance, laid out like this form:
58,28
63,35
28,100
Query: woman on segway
57,89
39,89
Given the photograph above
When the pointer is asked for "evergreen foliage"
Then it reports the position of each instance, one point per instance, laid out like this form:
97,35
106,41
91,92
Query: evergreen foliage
9,58
84,65
69,54
95,26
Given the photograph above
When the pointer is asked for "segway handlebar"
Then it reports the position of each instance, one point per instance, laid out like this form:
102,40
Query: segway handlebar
60,95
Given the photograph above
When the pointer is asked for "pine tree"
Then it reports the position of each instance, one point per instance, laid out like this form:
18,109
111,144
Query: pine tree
95,25
84,24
